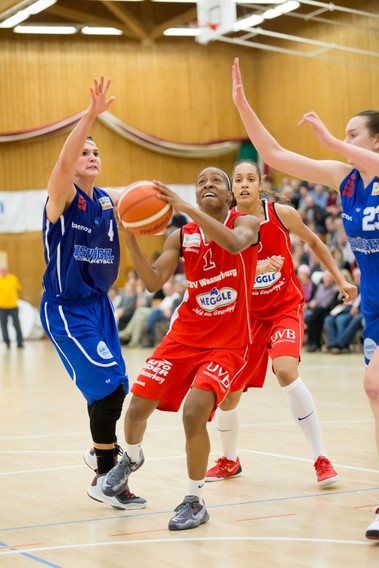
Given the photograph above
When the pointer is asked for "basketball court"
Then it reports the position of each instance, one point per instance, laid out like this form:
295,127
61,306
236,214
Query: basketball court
273,515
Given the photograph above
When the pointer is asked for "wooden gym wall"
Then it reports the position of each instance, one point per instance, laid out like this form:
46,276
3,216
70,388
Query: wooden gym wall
176,90
336,86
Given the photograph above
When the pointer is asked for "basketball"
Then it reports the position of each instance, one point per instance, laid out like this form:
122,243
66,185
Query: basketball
141,211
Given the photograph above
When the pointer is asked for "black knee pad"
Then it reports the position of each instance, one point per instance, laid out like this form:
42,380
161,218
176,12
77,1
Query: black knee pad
103,416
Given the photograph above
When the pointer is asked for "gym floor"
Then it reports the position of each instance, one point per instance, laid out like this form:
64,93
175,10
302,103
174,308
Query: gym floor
273,515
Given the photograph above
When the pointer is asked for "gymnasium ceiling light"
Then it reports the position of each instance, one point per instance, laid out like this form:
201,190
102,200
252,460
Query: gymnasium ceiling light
39,6
192,31
22,11
95,30
12,21
259,2
54,30
257,19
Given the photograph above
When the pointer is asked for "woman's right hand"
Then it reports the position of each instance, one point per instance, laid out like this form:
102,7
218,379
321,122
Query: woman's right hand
322,134
238,90
99,102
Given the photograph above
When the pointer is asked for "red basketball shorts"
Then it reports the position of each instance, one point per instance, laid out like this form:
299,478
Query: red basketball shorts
283,336
174,368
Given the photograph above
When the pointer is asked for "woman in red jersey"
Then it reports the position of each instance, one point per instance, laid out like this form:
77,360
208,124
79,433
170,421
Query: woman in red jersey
206,346
277,320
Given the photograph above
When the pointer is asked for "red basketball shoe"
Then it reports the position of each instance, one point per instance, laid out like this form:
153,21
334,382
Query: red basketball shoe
224,469
326,474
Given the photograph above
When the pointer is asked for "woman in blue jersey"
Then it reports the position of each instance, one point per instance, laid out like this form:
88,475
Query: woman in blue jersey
358,183
82,255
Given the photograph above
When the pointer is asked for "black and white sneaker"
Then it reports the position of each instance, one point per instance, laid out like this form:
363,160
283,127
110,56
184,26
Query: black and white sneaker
89,457
372,532
124,500
190,514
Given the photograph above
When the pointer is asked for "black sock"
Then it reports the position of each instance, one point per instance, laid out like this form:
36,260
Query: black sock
105,460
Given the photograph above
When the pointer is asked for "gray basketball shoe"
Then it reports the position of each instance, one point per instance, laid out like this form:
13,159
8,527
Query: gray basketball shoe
116,479
189,514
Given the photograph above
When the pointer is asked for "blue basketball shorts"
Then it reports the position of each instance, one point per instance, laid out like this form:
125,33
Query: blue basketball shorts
370,337
86,339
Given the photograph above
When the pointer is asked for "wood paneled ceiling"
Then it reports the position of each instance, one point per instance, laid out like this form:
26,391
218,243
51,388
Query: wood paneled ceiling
146,20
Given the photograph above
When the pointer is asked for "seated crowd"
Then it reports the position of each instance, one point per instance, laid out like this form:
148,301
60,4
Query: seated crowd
329,324
143,318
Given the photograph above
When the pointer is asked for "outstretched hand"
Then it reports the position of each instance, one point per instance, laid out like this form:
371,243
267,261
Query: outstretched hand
238,90
322,134
99,91
170,196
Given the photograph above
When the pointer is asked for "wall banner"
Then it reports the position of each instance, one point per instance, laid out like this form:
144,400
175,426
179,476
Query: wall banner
21,211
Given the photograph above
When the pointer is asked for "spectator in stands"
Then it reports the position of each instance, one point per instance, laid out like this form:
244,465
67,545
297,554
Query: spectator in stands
127,303
320,195
324,299
343,322
132,333
313,214
344,245
333,204
287,195
174,290
115,297
338,256
177,221
9,290
140,331
304,275
303,193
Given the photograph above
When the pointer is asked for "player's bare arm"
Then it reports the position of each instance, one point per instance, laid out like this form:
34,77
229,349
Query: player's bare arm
154,275
316,171
294,223
60,186
233,241
367,159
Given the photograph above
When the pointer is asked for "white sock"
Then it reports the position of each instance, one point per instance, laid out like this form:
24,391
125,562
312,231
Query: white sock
305,414
228,422
196,488
133,451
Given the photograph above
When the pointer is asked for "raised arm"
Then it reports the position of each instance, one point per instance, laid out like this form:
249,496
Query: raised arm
60,187
326,172
292,220
245,233
367,159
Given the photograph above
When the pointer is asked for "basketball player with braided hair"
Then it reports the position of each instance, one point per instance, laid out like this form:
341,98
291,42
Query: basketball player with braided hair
204,351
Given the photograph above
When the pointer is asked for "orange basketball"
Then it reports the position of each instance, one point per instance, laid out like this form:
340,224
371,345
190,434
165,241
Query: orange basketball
141,211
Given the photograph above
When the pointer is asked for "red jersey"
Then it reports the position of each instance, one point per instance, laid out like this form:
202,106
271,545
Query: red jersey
275,293
215,308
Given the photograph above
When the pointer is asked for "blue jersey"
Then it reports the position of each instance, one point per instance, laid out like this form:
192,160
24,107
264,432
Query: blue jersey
82,250
360,206
82,254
